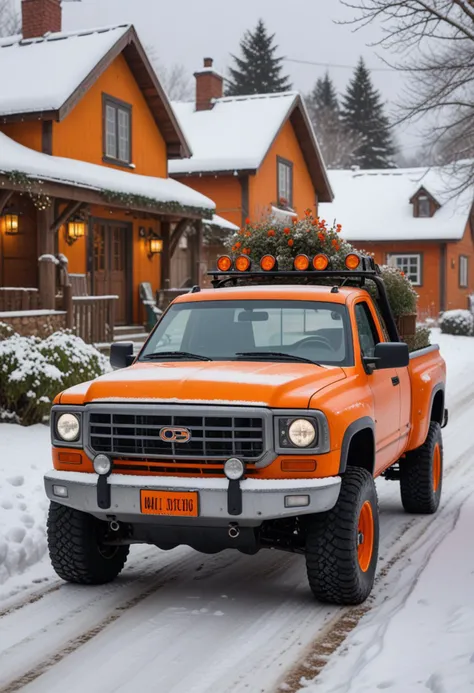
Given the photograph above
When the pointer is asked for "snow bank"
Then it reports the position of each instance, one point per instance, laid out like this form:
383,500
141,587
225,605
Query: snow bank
25,457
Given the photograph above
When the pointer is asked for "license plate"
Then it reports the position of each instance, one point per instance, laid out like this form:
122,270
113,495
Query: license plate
172,503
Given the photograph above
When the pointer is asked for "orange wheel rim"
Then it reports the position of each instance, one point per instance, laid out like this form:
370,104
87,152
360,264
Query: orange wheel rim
436,467
365,536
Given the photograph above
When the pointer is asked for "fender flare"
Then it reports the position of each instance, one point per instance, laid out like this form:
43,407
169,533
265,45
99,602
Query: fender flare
366,422
439,387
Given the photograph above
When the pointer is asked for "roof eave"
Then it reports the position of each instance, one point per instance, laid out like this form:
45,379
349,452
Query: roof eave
220,172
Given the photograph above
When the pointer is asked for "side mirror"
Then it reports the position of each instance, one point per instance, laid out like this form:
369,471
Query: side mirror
388,355
121,355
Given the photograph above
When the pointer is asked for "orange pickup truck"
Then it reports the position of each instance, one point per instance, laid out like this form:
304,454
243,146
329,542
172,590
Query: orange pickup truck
257,415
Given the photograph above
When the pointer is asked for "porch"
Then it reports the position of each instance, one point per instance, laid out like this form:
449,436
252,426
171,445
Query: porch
51,230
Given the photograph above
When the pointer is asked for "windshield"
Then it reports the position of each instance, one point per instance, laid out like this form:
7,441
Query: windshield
248,330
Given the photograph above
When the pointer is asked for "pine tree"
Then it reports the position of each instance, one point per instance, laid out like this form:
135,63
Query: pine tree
258,71
363,114
337,143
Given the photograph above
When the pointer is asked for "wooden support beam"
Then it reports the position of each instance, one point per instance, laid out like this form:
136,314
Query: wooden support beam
47,265
177,234
197,240
5,196
165,255
69,211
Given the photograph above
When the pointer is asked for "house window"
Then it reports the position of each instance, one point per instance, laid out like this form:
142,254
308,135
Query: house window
285,182
117,130
463,271
424,206
408,264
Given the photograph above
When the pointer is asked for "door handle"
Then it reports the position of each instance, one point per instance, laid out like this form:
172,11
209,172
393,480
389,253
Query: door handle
395,380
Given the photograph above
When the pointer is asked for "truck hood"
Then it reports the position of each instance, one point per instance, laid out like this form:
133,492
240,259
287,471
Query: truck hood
279,385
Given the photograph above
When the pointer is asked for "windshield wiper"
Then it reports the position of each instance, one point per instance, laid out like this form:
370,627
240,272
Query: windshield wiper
175,355
274,355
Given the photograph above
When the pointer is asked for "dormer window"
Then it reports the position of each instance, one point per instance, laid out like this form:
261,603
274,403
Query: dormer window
423,206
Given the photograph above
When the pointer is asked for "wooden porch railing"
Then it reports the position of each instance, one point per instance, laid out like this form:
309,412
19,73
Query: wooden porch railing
15,299
93,318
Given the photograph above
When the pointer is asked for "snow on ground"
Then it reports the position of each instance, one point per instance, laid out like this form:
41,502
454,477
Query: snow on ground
24,459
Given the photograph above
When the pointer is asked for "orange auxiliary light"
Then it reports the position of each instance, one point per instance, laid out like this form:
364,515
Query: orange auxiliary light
352,261
224,263
320,262
268,263
242,263
301,263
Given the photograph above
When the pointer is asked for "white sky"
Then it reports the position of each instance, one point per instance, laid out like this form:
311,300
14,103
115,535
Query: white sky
185,31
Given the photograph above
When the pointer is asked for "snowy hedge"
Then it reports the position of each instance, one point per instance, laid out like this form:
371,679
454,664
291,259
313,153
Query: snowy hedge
460,322
33,371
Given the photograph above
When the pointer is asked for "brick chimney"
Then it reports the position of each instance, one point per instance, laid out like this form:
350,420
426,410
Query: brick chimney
39,17
209,85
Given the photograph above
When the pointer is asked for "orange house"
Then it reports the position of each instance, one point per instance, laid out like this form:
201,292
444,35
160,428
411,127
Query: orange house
253,155
86,132
410,219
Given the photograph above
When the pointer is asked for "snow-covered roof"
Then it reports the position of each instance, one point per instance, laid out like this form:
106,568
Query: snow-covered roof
40,74
374,205
235,134
222,223
38,166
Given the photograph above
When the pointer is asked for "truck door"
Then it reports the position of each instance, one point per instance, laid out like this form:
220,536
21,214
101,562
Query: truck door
384,385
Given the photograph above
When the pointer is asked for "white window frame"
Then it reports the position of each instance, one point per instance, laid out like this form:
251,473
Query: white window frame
285,181
402,261
463,271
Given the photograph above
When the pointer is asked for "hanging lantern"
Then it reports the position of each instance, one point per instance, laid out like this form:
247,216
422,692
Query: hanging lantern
9,224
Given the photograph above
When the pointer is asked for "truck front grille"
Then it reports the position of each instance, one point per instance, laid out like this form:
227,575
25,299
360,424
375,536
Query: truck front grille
214,437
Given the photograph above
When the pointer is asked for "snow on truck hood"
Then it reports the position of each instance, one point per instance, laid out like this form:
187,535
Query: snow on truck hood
279,385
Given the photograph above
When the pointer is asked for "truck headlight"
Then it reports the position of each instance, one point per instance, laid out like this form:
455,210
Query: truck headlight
301,433
68,427
297,432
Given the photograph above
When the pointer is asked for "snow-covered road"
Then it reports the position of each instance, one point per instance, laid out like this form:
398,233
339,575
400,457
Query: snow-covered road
180,622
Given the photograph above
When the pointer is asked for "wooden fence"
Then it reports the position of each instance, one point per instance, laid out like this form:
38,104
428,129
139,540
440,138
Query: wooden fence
16,299
93,318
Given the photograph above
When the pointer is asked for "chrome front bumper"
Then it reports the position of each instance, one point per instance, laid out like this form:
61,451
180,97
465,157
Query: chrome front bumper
262,499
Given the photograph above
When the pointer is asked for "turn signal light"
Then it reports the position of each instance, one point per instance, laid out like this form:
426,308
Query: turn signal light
295,465
242,263
301,263
352,261
224,263
267,263
320,262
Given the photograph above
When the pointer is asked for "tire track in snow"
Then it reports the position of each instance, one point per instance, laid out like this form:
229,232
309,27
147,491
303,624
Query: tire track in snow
337,630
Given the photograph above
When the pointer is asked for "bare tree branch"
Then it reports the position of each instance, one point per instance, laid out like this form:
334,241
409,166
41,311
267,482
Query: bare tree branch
10,23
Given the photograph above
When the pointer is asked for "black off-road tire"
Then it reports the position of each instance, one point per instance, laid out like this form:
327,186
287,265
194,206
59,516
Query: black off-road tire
419,490
75,549
332,543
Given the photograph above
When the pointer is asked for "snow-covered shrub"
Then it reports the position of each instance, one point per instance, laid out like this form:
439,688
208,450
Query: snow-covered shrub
460,322
5,331
33,371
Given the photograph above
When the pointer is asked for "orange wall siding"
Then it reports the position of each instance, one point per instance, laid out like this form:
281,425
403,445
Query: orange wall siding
226,192
79,135
263,186
30,133
457,297
144,269
429,297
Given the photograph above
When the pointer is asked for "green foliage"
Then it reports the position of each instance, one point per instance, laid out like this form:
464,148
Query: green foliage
34,371
459,322
258,71
363,114
401,294
420,340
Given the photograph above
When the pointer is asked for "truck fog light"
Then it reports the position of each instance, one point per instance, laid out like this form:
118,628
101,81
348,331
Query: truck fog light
102,464
234,469
296,501
68,427
60,491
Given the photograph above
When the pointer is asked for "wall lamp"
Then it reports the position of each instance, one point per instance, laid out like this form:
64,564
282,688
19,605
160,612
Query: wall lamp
9,223
154,242
76,228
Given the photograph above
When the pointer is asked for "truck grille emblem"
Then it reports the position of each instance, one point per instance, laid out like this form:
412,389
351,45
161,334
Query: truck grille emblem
172,434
